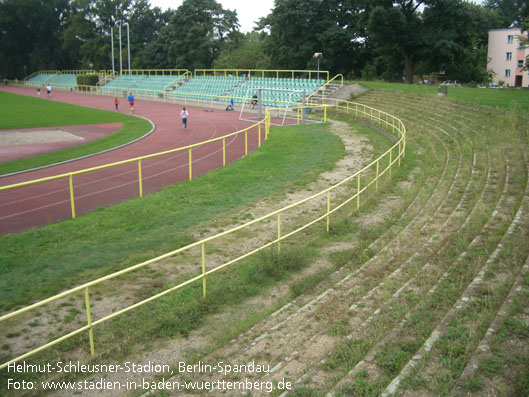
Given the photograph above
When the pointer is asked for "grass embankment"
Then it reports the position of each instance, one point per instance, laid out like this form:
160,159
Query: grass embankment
19,111
494,186
40,262
504,98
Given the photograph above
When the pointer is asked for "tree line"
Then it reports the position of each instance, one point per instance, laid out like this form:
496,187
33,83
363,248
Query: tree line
369,39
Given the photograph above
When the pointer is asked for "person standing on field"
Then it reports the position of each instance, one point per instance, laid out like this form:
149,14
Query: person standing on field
131,102
48,90
116,103
183,114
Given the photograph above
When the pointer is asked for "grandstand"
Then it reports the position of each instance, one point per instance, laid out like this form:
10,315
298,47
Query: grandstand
208,86
237,87
63,80
143,84
41,78
176,84
56,79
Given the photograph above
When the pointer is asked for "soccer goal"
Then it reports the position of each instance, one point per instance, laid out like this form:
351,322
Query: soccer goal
281,102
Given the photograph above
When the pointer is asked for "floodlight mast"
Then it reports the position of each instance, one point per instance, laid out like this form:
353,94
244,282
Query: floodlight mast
112,47
120,55
128,46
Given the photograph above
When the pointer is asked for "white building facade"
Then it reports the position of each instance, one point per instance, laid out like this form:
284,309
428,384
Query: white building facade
507,57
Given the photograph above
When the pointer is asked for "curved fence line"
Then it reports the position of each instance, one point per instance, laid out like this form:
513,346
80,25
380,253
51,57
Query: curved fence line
361,180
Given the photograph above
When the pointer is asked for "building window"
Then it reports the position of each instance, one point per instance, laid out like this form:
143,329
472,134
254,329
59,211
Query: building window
507,72
508,56
520,63
510,39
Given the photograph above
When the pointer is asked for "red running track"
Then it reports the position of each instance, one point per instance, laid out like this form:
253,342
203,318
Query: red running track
35,205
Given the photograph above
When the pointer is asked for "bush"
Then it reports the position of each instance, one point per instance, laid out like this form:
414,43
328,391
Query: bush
88,79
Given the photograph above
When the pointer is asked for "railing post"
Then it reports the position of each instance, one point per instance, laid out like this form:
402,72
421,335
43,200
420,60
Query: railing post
140,178
224,152
378,167
399,153
190,165
89,319
279,233
325,114
72,200
259,135
358,193
328,210
203,270
390,161
246,143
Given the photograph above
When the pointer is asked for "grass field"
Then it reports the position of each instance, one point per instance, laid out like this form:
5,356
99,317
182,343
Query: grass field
20,111
504,98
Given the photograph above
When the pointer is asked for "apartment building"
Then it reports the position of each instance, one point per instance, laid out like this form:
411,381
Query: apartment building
507,57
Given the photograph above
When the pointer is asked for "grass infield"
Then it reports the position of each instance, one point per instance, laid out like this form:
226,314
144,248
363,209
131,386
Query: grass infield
19,111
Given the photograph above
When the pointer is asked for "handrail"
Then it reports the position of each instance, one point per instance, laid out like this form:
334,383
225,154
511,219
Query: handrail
389,121
323,87
155,72
225,72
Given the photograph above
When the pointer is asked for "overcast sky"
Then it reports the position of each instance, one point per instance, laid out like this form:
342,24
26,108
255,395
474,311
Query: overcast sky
248,11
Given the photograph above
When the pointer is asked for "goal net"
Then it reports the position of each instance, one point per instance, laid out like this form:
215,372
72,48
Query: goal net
279,102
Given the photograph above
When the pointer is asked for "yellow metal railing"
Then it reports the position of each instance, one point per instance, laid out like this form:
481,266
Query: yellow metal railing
261,73
323,87
361,180
155,72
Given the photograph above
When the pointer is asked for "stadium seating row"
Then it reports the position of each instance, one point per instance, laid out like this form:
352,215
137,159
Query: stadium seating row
58,79
285,90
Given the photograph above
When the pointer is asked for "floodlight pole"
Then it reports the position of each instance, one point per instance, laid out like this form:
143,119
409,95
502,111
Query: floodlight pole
128,46
112,47
120,56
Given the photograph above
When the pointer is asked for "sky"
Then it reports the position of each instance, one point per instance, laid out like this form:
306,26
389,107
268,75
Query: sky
248,11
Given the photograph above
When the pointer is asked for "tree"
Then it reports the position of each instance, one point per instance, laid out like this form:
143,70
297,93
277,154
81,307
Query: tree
457,36
300,28
248,53
509,12
30,33
195,35
398,33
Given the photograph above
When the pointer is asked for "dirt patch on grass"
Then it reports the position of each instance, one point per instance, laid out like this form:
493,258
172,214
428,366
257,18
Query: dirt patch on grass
10,138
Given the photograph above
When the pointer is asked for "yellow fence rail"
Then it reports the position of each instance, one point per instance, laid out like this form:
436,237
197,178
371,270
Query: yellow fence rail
155,72
312,97
361,180
262,73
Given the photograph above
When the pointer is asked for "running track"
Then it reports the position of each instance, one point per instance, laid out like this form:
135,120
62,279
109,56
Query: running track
43,203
